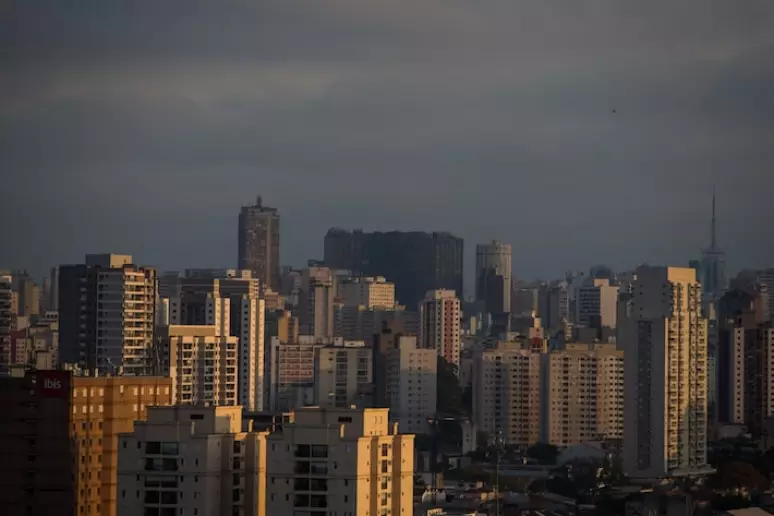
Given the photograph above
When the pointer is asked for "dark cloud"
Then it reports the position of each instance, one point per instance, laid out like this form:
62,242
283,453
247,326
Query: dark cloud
141,127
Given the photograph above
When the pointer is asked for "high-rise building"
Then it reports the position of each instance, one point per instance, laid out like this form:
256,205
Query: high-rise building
745,361
414,261
343,375
229,300
584,393
665,375
259,243
107,314
192,460
60,439
28,293
554,305
596,304
290,372
507,393
316,303
342,461
361,323
439,324
370,292
713,263
5,325
493,276
412,379
202,363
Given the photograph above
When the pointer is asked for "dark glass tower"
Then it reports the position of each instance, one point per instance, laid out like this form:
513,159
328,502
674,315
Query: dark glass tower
415,261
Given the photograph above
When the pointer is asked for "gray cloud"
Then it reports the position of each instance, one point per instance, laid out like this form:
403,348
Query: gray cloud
141,127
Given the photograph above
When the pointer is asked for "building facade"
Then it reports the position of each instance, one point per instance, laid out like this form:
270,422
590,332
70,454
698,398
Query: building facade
201,362
107,315
493,276
665,375
259,243
343,375
414,261
596,304
192,460
60,439
349,462
439,324
411,385
584,394
507,393
5,325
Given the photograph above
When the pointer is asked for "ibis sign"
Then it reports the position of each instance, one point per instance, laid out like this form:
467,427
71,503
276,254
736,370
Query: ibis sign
53,384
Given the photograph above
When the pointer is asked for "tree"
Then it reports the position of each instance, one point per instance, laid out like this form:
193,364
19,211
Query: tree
449,392
739,475
543,453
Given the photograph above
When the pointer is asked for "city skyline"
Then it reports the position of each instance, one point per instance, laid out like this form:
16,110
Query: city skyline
145,142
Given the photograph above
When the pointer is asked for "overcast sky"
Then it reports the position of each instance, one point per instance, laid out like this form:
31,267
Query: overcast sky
580,132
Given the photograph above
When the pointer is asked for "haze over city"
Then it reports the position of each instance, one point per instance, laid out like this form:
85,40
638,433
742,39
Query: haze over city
582,134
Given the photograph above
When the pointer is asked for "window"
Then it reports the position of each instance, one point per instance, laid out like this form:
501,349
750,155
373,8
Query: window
385,450
303,450
319,450
319,484
300,484
301,500
318,468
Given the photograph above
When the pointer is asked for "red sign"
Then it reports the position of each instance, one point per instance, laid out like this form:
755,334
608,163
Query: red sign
53,384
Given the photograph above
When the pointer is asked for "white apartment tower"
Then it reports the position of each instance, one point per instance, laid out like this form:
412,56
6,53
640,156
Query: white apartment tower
411,385
347,462
202,363
584,394
507,393
439,324
665,378
192,460
343,374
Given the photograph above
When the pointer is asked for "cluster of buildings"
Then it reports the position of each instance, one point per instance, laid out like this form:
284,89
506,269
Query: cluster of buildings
268,389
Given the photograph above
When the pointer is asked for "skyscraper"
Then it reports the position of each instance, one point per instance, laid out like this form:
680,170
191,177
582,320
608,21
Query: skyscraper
416,262
665,375
493,276
5,324
259,243
713,263
107,314
439,324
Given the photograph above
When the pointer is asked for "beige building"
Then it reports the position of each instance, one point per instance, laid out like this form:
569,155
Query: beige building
343,375
584,394
439,324
370,292
665,362
290,372
229,300
192,460
412,377
316,303
507,393
348,462
596,304
201,362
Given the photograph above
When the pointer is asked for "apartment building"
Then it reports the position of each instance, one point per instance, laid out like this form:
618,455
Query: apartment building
6,295
665,375
343,375
493,276
192,460
290,372
229,300
202,363
60,439
596,304
507,393
107,314
584,394
368,291
439,324
348,462
362,323
412,379
259,242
